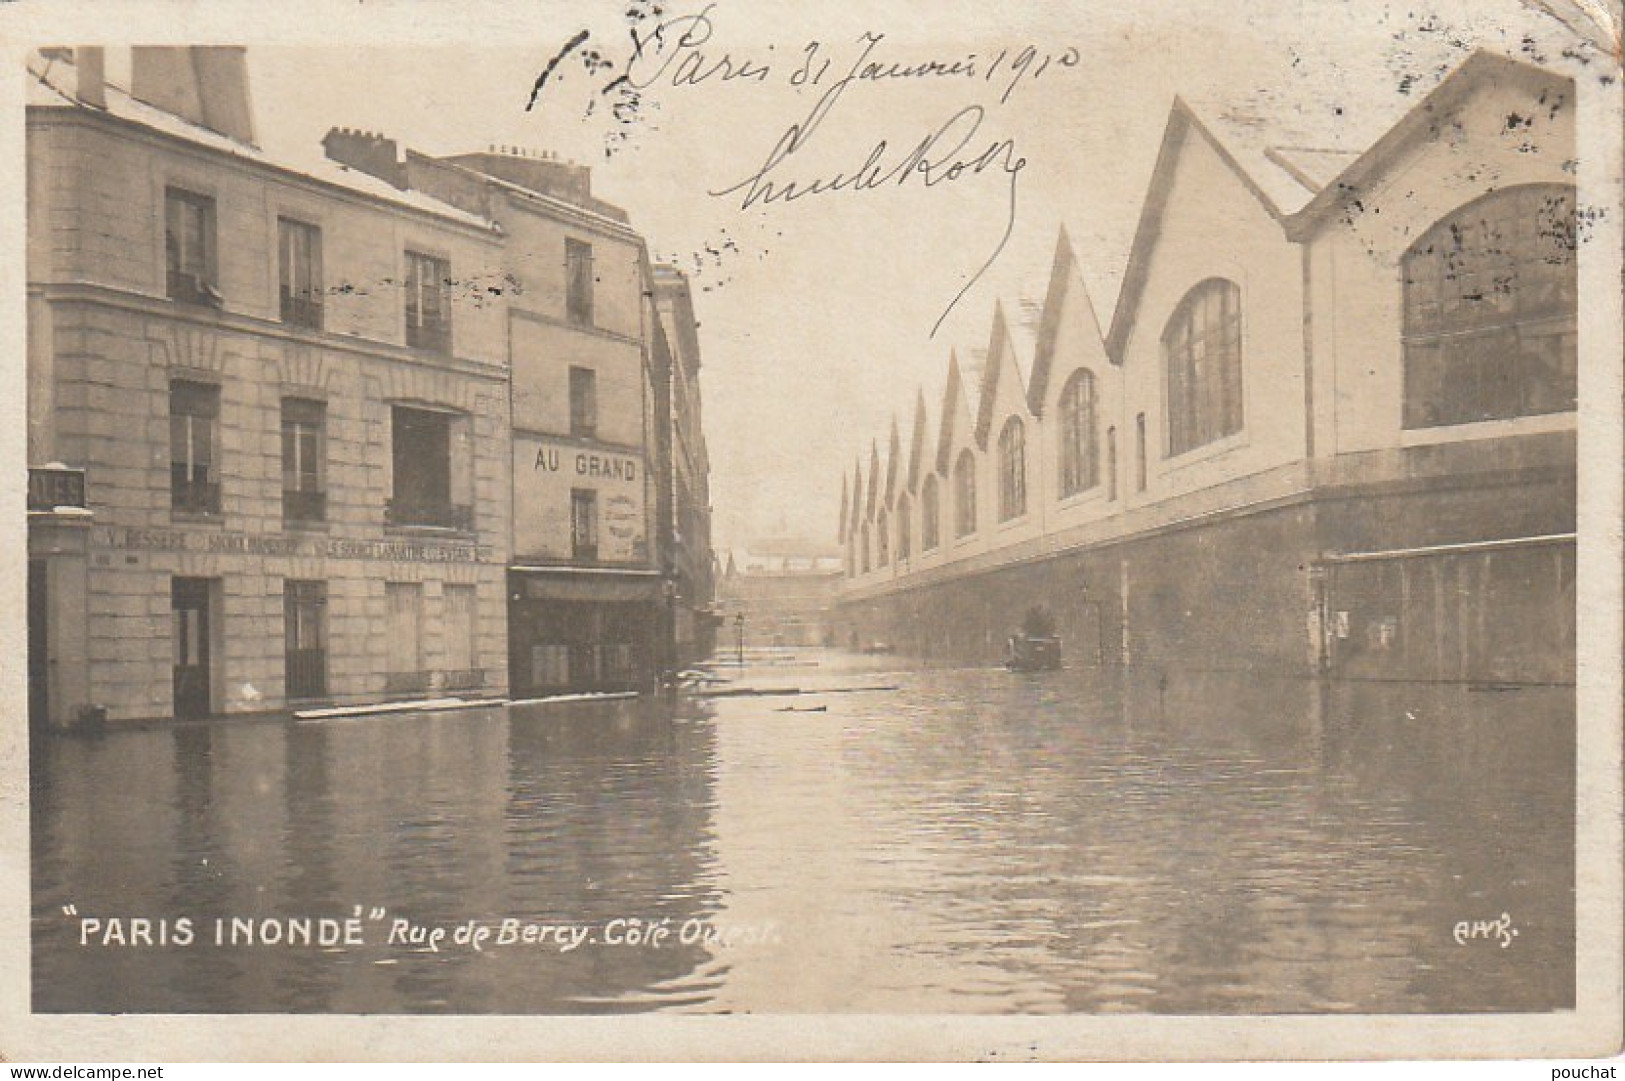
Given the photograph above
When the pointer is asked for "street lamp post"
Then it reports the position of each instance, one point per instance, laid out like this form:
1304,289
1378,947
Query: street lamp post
739,639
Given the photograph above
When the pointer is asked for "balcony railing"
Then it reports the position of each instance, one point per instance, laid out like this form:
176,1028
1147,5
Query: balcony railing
303,311
404,512
195,496
406,682
304,506
466,679
54,486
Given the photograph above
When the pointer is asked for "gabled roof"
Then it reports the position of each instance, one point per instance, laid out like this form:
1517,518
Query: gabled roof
844,499
1425,121
1065,287
893,452
874,480
916,450
857,496
1243,142
1001,354
953,410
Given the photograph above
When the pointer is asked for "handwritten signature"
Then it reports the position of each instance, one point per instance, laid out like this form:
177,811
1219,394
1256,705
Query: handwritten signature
671,53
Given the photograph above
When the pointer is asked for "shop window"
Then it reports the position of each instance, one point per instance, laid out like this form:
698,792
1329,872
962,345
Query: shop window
930,514
432,460
304,609
1202,363
428,303
304,495
578,281
1079,470
583,402
299,273
584,523
965,495
1491,301
1012,470
189,248
194,414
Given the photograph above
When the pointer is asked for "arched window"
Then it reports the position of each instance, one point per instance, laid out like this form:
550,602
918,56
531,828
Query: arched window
1079,468
1201,350
1491,301
851,554
1012,470
965,495
903,529
930,514
865,547
884,555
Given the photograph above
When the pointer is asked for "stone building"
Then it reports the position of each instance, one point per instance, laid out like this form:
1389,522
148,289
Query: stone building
687,480
287,393
589,598
374,427
1330,428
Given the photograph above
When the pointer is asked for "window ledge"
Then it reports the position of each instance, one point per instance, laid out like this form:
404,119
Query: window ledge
1207,452
1532,424
188,517
1096,493
409,530
1011,523
306,525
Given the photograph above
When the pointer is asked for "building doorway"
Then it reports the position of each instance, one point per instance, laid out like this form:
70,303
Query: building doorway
189,598
39,664
304,611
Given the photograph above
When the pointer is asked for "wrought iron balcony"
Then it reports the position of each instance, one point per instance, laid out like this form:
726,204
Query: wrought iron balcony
304,506
428,514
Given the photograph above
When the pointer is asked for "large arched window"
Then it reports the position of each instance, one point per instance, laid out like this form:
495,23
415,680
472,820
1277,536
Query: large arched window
883,556
1491,301
965,495
930,514
1201,350
851,554
865,563
903,528
1012,470
1079,468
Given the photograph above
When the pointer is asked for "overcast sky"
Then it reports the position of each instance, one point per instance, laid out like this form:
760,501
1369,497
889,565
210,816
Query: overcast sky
817,315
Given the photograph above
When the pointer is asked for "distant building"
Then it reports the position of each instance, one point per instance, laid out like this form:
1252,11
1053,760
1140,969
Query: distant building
785,589
1331,427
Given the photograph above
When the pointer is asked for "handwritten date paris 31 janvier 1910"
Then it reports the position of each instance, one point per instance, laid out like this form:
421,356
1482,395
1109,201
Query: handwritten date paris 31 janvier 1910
677,53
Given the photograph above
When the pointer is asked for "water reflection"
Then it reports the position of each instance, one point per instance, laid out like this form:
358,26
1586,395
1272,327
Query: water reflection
970,841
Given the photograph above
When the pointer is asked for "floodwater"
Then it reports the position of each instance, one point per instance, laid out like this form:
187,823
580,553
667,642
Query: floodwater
969,841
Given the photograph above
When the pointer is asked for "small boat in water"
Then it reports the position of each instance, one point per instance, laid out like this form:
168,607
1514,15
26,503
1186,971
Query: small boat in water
1033,653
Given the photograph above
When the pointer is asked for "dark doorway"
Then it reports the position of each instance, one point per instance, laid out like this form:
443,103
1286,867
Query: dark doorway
39,664
190,599
304,620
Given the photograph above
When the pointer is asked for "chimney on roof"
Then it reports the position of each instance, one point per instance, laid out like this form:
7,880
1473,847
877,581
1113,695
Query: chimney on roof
207,85
367,152
90,70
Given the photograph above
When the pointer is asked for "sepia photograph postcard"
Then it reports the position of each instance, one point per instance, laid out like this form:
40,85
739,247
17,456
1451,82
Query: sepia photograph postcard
718,530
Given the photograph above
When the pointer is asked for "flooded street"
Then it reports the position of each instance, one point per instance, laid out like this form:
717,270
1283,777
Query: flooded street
970,841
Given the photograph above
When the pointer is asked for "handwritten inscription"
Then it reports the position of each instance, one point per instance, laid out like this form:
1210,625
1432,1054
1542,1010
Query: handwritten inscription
678,53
